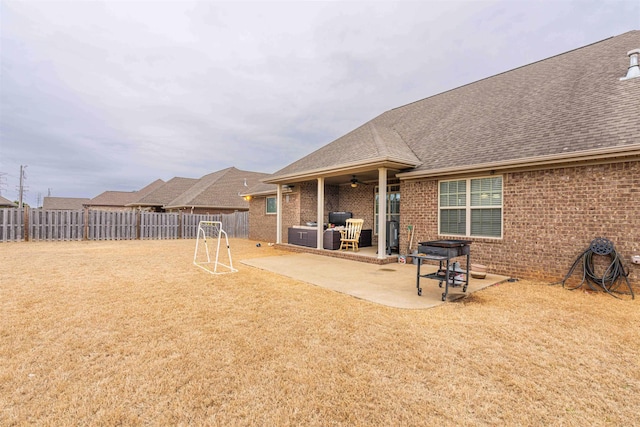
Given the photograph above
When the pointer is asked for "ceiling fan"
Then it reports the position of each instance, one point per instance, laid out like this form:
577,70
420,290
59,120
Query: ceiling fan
355,182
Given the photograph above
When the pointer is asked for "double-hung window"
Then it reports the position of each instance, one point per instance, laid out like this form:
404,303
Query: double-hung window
471,207
272,206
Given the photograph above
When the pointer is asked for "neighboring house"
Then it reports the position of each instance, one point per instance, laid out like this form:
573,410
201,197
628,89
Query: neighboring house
530,165
64,203
118,200
215,193
156,199
6,203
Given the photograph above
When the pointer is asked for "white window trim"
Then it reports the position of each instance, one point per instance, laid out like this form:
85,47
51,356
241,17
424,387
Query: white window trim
468,209
266,205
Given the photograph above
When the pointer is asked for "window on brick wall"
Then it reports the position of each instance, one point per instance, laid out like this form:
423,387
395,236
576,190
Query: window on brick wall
272,206
471,207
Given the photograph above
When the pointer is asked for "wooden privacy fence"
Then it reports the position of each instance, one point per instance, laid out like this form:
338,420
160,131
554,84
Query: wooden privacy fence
60,225
11,224
112,225
154,226
56,225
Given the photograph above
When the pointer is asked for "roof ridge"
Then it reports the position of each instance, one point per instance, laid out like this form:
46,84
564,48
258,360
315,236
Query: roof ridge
382,148
513,69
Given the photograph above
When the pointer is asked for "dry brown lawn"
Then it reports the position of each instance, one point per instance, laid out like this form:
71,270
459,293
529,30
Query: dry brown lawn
131,333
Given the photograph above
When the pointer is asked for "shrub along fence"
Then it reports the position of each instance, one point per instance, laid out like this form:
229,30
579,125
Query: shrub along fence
59,225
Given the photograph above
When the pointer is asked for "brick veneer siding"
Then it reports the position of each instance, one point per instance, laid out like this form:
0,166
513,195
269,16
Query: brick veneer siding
549,218
360,201
301,206
262,227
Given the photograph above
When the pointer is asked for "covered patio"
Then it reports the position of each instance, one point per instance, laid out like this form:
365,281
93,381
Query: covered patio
334,177
392,284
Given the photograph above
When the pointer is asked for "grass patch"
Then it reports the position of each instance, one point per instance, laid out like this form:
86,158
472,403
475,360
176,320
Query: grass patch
132,333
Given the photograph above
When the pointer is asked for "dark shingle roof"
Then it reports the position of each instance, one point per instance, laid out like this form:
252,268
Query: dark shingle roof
165,193
6,202
123,198
113,198
64,203
219,189
561,106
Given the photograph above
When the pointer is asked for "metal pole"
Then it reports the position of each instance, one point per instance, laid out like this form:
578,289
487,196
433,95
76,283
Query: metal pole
21,191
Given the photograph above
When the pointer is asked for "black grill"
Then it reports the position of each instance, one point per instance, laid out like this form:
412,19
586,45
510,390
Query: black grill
445,248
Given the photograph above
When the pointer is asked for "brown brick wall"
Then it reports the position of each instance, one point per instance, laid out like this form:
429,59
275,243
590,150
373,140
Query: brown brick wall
262,227
308,202
550,217
300,206
360,202
290,213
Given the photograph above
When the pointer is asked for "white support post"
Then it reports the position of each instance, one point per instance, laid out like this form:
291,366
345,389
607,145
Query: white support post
279,214
320,219
382,213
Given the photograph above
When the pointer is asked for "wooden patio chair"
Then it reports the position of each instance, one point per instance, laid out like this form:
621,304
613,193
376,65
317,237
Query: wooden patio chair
350,236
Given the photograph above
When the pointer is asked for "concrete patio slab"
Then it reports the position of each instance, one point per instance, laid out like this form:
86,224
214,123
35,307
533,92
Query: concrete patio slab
393,285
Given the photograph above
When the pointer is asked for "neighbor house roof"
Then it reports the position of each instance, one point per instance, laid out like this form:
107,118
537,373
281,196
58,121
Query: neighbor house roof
221,189
571,106
260,188
64,203
123,198
113,198
6,202
164,193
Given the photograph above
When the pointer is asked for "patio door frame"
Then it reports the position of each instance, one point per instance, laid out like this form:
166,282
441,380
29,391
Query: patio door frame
391,191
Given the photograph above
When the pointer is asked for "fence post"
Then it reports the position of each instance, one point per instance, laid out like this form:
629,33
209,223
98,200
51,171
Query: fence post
85,215
26,224
138,223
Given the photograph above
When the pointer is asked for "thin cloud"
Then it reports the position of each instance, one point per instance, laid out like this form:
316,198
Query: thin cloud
100,96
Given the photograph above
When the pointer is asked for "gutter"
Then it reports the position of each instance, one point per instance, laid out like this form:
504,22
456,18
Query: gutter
348,168
204,207
260,193
530,162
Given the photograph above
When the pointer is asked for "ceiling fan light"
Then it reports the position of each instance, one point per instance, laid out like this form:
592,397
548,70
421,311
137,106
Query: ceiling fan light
354,184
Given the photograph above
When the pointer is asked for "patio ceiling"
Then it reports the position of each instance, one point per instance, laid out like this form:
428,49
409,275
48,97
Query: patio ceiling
345,177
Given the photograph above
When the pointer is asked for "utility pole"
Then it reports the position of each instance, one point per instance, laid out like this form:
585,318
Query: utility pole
2,182
23,176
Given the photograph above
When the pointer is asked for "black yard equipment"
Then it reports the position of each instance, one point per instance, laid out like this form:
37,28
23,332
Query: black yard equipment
614,274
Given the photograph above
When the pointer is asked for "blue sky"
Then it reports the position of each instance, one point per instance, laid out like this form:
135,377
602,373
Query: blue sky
98,96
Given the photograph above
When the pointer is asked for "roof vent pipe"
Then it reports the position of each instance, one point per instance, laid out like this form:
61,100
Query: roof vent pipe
634,69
